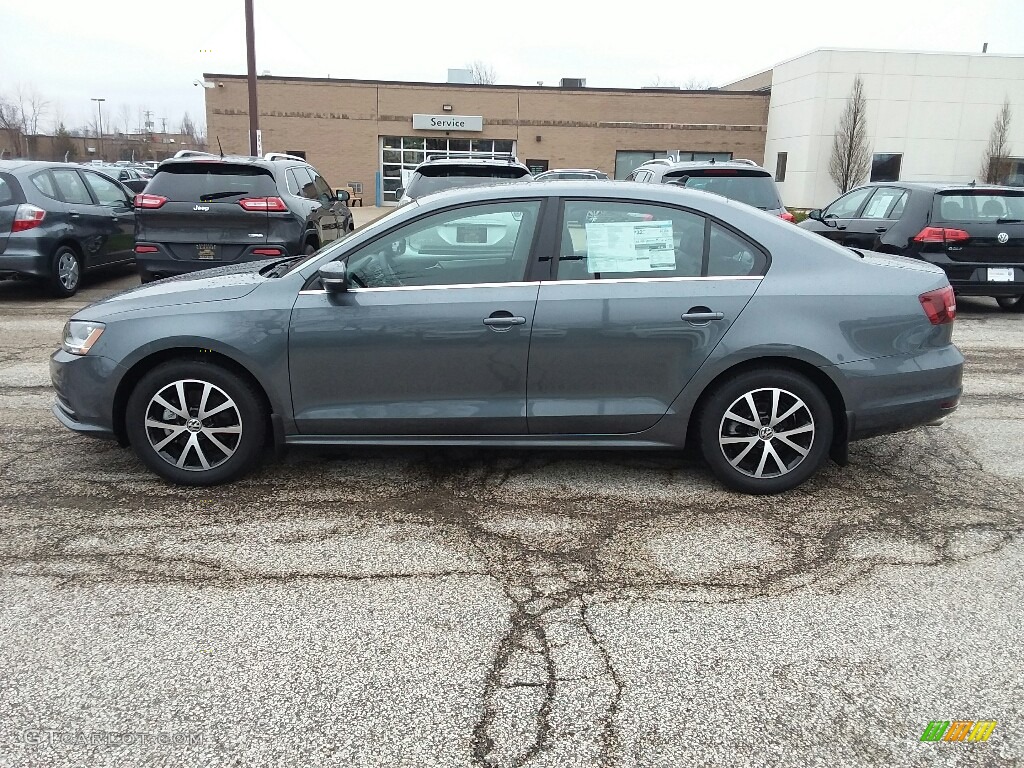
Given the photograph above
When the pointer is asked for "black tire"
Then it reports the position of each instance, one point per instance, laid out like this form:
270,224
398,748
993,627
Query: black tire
308,249
246,409
1011,303
65,272
739,472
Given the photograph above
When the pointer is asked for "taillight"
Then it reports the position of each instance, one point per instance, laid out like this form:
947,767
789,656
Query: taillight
939,305
266,251
940,235
149,201
787,216
27,217
146,249
263,204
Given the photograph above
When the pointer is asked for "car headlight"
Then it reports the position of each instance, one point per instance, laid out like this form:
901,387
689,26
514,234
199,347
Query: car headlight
80,335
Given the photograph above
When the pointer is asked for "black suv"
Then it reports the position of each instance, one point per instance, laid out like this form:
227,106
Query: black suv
739,180
974,232
201,211
462,169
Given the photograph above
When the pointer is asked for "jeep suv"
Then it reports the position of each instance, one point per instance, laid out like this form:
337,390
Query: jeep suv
462,170
201,211
739,180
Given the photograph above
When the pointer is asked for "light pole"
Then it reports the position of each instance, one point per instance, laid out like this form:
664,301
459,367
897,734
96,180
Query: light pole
99,120
250,55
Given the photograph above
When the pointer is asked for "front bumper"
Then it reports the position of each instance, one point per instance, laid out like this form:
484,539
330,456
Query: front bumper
85,387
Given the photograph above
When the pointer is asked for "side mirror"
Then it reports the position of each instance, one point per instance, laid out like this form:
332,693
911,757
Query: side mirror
334,276
400,193
342,195
815,214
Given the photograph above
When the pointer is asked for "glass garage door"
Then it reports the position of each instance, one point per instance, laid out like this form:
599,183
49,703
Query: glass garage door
399,155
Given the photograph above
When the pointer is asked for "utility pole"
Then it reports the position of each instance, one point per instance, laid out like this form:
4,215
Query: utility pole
250,56
99,122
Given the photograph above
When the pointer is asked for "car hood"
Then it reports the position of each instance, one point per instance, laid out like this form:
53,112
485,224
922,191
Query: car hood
219,284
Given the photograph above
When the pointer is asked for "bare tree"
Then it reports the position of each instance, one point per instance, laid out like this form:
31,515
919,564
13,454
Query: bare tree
995,163
12,123
851,157
34,107
660,82
125,117
696,84
482,74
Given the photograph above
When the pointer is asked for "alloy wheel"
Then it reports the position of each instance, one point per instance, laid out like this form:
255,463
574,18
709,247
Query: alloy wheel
766,433
193,425
67,270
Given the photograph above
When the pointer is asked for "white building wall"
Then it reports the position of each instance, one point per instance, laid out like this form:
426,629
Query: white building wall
937,109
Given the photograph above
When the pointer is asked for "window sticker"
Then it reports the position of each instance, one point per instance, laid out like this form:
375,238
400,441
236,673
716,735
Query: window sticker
623,246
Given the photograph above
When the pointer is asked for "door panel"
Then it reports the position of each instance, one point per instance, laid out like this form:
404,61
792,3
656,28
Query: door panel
412,361
115,215
609,356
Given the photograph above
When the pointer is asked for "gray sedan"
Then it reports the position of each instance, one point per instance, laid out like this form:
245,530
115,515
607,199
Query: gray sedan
499,316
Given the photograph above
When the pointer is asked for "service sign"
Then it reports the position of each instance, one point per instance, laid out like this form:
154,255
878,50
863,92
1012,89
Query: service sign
448,122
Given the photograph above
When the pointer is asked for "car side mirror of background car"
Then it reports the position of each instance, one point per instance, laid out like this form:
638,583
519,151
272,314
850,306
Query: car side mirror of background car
399,193
334,276
342,195
818,215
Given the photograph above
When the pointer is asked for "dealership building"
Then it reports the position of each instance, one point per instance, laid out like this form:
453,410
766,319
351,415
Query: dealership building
929,116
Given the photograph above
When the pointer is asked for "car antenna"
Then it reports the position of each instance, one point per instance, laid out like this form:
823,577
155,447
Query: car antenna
221,148
712,161
974,183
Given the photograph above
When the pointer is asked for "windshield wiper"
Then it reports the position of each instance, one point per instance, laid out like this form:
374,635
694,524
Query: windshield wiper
219,195
1009,221
281,267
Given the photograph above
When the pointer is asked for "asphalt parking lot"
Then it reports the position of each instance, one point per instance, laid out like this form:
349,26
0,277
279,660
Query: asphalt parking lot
458,608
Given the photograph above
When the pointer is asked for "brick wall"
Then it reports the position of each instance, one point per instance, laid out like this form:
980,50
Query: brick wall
337,123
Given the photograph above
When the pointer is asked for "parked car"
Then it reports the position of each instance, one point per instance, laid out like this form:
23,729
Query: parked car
129,177
689,317
571,174
202,211
738,180
58,220
975,233
457,170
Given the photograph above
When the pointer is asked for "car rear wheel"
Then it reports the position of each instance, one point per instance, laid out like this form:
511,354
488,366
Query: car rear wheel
1011,303
195,423
67,272
766,431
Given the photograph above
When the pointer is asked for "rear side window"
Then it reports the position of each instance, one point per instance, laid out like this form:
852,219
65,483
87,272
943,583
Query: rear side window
755,188
440,177
44,184
71,186
6,190
211,182
981,206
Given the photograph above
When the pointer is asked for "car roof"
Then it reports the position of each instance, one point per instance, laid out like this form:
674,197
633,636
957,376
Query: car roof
456,161
696,165
572,170
944,186
31,165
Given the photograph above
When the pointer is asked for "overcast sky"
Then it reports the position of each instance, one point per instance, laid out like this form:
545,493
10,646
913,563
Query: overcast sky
147,54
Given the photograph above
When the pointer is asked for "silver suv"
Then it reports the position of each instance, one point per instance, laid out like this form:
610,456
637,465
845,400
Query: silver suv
462,169
739,180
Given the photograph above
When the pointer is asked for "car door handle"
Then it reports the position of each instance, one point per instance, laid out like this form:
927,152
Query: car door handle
503,321
702,315
881,229
840,226
74,215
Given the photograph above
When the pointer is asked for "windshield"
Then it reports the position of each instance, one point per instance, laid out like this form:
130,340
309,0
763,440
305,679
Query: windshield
756,189
994,207
211,182
440,178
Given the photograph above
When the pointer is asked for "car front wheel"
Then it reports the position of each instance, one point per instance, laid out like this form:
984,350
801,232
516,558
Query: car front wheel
1011,303
766,431
196,423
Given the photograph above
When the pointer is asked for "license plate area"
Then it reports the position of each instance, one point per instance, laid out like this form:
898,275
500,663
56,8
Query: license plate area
471,233
206,251
1000,274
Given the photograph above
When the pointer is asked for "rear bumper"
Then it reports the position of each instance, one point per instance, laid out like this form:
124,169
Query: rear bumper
163,263
971,278
892,394
23,258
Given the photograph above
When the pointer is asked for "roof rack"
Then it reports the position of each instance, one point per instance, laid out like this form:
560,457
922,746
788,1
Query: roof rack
508,157
742,161
282,156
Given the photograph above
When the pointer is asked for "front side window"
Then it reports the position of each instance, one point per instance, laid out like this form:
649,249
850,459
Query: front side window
846,207
321,189
607,240
71,186
106,191
468,245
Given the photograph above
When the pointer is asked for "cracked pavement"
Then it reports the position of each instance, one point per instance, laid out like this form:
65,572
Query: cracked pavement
501,608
